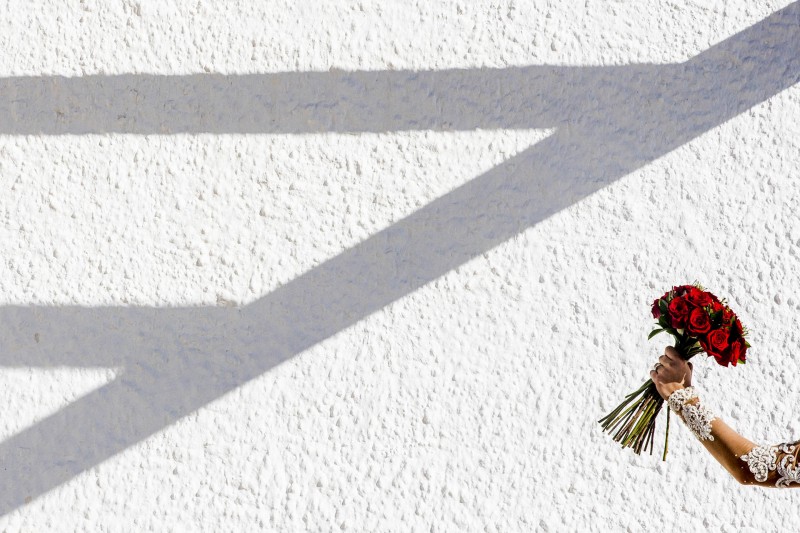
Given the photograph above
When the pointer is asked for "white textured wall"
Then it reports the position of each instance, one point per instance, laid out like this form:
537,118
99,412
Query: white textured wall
380,266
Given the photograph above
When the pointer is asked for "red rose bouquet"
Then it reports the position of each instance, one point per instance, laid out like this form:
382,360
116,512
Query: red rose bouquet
700,322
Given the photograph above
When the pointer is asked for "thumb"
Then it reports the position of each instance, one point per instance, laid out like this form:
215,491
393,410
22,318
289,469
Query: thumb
691,367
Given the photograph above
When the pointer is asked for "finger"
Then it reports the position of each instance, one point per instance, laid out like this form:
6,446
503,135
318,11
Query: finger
671,353
664,360
690,366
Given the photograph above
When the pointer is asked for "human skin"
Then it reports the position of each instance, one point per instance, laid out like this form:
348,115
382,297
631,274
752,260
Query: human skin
727,446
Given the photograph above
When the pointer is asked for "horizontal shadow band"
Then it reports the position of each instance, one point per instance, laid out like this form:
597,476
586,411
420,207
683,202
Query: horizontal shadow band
383,101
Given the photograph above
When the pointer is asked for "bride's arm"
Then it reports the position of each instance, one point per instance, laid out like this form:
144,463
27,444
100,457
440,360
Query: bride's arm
748,462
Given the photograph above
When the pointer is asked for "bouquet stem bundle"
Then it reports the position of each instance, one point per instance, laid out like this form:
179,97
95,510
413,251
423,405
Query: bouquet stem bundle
636,416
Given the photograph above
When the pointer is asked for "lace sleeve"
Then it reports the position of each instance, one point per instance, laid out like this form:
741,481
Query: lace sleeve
773,465
776,465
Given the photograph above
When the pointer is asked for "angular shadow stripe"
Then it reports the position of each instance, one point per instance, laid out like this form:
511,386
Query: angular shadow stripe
177,360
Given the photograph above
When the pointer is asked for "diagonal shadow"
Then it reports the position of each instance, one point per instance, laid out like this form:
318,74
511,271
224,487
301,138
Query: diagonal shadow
610,121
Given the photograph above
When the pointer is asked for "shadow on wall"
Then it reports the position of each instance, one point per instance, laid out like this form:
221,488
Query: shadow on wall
609,122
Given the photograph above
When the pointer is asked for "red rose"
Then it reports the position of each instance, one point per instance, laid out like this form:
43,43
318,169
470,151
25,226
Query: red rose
698,321
710,351
678,312
718,341
737,351
728,356
727,315
736,329
698,297
680,290
655,310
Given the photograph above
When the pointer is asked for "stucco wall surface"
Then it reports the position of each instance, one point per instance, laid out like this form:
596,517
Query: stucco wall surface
381,265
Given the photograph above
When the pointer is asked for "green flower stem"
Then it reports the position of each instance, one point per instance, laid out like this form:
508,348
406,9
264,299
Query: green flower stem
650,437
644,420
639,420
625,422
644,427
625,430
651,425
614,415
623,416
666,437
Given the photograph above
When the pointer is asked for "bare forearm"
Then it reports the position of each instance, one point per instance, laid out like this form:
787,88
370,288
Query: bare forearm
727,448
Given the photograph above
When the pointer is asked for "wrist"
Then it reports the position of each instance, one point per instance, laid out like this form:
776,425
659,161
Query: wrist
669,388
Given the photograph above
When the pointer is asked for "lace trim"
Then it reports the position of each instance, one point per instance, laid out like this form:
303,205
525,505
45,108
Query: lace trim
761,459
679,397
697,416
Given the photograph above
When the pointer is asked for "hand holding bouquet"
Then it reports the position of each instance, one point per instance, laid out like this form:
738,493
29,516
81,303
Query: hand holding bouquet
671,372
700,322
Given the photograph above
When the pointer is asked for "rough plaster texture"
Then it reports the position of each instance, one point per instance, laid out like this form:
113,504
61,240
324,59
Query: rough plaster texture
380,266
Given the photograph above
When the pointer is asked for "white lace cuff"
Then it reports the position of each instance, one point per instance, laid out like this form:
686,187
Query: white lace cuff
697,416
679,397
